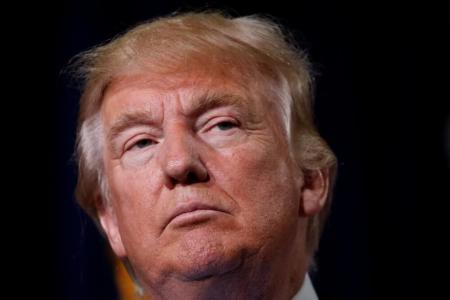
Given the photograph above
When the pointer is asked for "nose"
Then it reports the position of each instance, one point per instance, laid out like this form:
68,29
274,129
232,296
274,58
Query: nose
180,159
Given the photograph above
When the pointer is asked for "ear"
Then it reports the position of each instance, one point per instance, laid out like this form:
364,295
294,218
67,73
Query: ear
108,221
314,191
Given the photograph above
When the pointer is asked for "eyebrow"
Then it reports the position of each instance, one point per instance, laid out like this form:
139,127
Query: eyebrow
130,119
213,100
200,105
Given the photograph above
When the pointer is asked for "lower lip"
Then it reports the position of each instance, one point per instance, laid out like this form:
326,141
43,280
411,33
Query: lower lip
195,217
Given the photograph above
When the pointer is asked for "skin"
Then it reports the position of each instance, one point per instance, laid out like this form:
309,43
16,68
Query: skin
166,148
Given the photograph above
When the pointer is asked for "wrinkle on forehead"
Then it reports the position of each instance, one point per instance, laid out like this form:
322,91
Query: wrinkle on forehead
188,88
192,86
190,101
169,81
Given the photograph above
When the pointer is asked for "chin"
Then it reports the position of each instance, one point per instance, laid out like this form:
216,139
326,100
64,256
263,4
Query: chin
202,256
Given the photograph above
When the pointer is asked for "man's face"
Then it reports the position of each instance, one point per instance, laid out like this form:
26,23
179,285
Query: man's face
200,176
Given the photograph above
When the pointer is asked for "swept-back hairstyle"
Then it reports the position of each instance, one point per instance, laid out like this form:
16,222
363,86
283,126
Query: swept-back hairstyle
251,46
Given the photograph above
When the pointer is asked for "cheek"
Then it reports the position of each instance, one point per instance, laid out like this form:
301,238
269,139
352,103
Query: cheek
262,184
124,187
135,186
133,200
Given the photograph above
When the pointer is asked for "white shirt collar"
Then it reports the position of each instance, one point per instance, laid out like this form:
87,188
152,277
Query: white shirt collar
307,291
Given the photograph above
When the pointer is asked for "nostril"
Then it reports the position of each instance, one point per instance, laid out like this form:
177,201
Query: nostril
191,178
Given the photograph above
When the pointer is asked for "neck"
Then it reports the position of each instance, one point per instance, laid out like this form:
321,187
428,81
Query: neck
257,277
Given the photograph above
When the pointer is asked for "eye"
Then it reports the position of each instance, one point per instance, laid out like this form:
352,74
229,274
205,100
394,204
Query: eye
143,143
226,125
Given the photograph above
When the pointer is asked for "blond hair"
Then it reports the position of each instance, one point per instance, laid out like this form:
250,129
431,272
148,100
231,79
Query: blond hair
253,46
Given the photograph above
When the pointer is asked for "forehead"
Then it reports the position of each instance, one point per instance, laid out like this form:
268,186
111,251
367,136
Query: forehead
143,90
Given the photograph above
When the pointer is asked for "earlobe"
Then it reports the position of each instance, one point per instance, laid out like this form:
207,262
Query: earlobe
314,191
108,221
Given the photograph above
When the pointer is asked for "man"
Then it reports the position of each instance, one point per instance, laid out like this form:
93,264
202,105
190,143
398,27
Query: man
199,159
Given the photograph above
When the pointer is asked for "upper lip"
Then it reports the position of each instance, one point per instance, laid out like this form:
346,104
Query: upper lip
182,208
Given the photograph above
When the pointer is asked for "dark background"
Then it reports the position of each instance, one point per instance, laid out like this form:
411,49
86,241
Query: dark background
379,103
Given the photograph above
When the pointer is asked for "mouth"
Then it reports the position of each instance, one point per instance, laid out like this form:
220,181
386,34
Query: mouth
192,213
